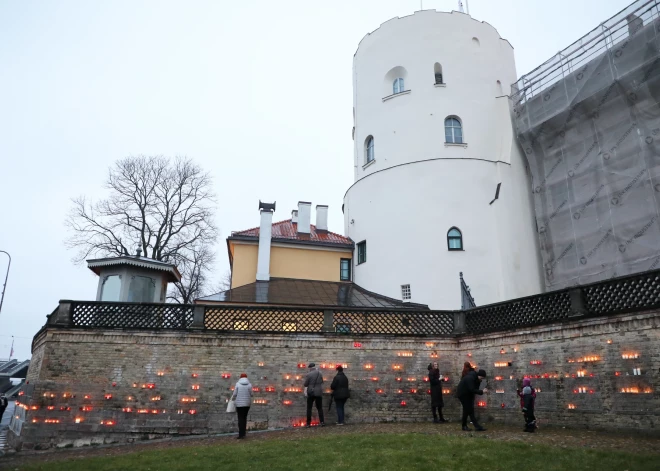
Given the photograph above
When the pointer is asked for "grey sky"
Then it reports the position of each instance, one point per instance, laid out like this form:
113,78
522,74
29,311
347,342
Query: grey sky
257,92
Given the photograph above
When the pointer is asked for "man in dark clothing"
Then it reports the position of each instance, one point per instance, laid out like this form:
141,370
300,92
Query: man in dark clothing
467,388
3,404
314,392
340,393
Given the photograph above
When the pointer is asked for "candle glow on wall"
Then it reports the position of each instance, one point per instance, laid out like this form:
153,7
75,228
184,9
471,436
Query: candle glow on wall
368,366
630,356
404,354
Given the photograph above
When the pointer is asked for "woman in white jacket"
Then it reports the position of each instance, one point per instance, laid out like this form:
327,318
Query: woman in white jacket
243,397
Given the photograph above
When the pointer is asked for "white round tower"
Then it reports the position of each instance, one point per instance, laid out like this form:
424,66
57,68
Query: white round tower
433,143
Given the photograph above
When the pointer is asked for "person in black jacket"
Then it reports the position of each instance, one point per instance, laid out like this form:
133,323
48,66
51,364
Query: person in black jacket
466,390
435,379
340,393
3,404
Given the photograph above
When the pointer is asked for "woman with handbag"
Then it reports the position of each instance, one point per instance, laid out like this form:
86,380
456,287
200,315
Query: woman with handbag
242,398
340,393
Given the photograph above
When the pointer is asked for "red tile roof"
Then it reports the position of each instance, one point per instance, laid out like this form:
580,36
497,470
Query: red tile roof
288,231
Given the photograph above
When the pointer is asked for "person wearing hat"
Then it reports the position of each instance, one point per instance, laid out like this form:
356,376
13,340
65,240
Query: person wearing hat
467,388
340,393
314,393
243,397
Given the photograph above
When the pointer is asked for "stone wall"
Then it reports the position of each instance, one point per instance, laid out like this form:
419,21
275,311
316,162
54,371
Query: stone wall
95,386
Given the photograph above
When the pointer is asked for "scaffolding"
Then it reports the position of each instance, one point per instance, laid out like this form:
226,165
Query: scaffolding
588,121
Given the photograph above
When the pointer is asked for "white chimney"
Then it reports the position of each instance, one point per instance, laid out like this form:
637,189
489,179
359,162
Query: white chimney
265,231
304,217
321,217
294,216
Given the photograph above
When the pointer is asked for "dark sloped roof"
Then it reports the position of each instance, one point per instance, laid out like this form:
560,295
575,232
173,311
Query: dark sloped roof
285,291
287,231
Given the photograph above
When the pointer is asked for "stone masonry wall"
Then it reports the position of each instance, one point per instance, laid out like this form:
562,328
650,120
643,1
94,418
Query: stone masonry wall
96,386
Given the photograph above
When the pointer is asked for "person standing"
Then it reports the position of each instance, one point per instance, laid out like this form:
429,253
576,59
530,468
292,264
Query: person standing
314,393
467,389
243,397
467,367
437,403
3,404
340,393
527,400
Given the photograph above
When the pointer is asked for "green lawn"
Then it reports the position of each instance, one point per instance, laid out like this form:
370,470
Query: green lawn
377,451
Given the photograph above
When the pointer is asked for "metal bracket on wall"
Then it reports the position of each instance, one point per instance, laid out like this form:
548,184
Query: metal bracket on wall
497,193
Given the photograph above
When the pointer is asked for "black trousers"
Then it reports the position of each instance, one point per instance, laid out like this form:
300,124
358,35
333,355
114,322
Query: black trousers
468,410
242,413
2,411
439,412
319,407
530,418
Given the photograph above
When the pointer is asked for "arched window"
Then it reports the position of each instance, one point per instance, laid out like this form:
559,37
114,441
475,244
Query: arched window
437,71
453,130
397,86
454,239
369,149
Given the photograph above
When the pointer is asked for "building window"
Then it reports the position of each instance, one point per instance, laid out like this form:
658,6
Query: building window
454,239
289,326
362,252
241,324
369,149
345,269
343,328
405,292
111,288
141,290
453,131
437,71
397,86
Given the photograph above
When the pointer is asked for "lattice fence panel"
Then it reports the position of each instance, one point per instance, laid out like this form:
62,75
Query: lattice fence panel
638,292
228,318
394,322
132,316
530,311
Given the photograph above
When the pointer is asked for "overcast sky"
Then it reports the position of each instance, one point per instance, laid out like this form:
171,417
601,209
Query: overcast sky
258,92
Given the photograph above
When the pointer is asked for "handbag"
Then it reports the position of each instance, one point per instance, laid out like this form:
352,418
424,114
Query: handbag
231,405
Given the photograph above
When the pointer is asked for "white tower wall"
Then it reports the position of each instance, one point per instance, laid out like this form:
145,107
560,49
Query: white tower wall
418,187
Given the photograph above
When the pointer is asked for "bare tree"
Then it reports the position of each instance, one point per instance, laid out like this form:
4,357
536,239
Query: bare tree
163,206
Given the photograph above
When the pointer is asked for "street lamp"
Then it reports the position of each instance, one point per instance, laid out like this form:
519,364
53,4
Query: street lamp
4,286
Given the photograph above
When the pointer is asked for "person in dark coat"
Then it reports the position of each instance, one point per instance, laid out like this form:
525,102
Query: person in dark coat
340,393
435,379
527,400
314,392
467,388
3,404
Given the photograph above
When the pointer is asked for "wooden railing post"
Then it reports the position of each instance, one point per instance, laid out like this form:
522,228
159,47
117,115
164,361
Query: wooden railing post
63,315
328,321
578,302
459,323
198,317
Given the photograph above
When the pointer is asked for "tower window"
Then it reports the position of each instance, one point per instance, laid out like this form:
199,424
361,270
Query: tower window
362,252
369,149
437,71
397,86
454,239
453,130
345,269
405,292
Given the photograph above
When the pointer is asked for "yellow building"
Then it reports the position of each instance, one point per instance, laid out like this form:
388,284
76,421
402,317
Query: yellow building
294,262
297,249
